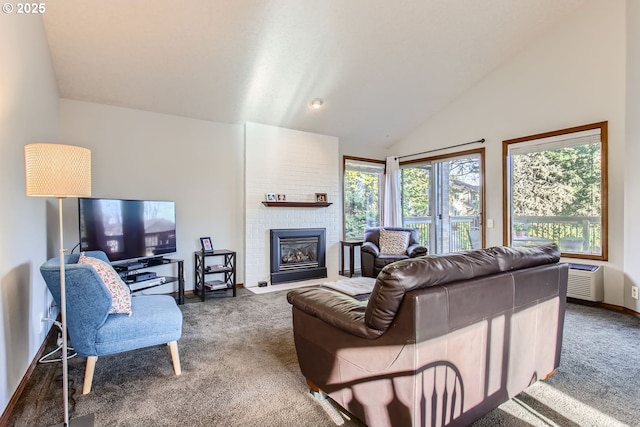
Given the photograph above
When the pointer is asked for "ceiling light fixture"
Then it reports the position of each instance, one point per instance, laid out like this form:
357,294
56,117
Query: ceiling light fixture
316,103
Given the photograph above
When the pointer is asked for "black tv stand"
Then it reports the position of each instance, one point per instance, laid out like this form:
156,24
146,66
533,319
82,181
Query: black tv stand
139,263
128,266
128,271
151,261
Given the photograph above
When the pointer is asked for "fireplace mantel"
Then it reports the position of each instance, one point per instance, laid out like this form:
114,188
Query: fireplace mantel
297,204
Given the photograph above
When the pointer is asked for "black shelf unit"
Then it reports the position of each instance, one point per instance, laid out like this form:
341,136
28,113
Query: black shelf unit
224,272
126,272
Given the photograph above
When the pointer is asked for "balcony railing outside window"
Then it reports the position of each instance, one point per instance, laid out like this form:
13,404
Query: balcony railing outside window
459,232
571,234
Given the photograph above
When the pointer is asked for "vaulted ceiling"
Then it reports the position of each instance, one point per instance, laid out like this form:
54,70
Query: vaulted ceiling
382,67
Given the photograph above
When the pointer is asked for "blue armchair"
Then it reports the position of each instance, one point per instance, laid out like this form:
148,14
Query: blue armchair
155,319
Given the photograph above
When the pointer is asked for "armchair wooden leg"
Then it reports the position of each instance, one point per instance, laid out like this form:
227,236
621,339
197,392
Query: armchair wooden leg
175,357
88,374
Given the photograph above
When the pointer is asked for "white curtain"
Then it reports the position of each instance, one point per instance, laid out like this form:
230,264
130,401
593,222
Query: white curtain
392,214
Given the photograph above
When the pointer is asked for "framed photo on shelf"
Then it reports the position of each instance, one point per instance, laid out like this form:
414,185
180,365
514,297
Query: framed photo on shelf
282,197
207,246
321,197
270,197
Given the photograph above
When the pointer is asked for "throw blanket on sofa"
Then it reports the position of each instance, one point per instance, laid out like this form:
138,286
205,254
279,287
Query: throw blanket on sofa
354,286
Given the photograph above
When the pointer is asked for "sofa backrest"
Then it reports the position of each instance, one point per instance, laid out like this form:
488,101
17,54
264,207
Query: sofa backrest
373,234
416,273
446,308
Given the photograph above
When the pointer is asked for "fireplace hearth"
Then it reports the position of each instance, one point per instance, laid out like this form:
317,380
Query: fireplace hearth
297,254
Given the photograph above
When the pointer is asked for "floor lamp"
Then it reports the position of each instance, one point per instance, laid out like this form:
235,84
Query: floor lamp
57,170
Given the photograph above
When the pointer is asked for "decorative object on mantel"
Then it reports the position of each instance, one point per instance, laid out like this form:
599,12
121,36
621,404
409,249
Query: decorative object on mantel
270,197
298,204
321,197
282,197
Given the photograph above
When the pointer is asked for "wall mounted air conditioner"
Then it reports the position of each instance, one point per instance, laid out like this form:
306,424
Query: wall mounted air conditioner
586,282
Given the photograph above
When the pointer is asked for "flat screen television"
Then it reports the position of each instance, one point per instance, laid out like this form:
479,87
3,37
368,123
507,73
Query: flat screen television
127,229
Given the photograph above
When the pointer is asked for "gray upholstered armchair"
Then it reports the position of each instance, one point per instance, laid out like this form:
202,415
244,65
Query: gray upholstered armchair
374,258
154,319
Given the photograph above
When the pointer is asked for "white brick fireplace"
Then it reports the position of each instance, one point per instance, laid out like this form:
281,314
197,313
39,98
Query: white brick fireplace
298,164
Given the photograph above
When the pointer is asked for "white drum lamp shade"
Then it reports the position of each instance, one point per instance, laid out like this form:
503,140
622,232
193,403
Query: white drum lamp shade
57,170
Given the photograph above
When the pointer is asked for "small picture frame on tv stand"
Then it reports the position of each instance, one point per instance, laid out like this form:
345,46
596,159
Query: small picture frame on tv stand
207,246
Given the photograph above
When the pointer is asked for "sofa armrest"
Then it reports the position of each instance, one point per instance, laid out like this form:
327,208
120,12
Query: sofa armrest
416,250
371,248
335,308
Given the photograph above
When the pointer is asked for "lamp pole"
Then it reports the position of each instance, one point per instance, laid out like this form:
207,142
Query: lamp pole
63,315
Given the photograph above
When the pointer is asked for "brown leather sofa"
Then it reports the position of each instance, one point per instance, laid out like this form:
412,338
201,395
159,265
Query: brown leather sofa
442,340
372,261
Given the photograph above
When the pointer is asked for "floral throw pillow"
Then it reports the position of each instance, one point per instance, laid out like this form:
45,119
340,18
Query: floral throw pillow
120,295
394,242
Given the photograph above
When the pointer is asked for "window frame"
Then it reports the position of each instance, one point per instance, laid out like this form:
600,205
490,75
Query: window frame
480,152
604,186
345,158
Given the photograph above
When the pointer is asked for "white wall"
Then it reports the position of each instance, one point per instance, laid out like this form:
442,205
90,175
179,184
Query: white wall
28,113
574,75
298,164
632,155
141,155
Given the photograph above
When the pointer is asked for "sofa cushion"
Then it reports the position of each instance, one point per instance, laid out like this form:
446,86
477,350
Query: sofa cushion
394,242
120,294
156,319
384,260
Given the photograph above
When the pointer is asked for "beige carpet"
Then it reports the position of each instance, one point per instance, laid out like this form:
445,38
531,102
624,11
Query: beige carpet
240,369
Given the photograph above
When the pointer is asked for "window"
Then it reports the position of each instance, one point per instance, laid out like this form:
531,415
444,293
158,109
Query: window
442,198
362,188
556,192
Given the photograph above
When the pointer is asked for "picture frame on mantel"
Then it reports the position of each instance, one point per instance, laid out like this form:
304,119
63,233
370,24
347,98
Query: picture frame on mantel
207,246
321,197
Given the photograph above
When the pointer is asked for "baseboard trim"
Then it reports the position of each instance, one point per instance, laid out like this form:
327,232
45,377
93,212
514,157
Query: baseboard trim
606,306
51,338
